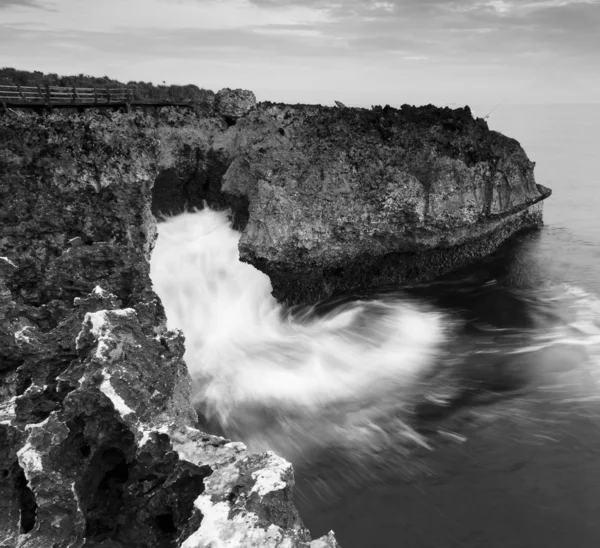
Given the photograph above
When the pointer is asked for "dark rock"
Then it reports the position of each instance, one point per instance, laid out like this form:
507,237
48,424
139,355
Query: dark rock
350,198
98,445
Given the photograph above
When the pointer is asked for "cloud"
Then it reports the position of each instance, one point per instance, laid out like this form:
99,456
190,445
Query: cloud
472,28
437,31
23,4
156,43
441,47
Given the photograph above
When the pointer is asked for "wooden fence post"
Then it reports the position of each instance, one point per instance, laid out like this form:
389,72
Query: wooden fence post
107,94
48,94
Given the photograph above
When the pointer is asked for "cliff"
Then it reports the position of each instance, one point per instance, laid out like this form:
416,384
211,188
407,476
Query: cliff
344,198
99,443
98,438
332,199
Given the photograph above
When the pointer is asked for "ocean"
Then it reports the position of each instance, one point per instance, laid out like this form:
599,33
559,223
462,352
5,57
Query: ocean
460,413
563,140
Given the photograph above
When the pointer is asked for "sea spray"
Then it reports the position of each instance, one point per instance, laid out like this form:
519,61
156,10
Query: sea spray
354,389
280,379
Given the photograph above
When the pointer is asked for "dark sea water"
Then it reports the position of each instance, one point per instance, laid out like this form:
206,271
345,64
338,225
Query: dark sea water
511,425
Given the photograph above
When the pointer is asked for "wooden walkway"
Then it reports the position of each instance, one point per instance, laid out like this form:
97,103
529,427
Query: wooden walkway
39,97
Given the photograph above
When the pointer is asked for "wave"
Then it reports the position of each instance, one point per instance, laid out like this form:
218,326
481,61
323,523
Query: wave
361,376
274,374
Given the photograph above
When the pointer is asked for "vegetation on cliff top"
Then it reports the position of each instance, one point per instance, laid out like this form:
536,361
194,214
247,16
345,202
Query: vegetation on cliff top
141,90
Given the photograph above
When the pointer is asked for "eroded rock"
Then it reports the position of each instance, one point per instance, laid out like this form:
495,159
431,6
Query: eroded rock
234,103
328,199
98,438
351,198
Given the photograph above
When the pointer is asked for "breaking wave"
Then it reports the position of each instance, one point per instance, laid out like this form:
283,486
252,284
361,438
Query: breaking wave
259,369
357,374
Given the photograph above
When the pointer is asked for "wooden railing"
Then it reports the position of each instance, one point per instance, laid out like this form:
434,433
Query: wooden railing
57,94
61,96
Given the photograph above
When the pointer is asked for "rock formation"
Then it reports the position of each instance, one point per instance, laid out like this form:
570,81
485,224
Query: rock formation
347,198
99,445
98,438
233,104
331,199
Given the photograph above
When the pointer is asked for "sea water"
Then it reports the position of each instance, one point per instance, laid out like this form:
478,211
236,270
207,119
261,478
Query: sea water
464,412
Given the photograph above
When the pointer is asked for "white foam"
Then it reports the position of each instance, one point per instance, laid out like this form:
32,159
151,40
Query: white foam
244,352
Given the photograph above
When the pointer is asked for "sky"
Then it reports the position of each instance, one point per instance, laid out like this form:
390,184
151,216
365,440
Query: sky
360,52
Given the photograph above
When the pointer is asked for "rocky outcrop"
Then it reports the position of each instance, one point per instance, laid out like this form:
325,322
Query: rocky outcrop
99,445
350,198
333,199
234,103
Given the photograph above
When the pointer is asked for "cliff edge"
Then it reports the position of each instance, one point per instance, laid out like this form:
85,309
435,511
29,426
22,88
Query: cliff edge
332,199
344,198
99,445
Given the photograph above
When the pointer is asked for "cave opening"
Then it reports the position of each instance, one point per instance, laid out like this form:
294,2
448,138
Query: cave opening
112,472
166,523
27,503
195,181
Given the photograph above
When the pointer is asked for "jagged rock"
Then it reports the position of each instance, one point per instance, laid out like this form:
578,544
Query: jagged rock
334,199
349,198
328,199
98,438
234,103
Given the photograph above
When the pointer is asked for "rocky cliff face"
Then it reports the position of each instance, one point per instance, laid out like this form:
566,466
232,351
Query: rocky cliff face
333,199
98,439
342,198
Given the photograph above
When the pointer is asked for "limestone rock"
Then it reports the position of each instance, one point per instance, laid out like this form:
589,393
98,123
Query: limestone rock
99,444
332,199
234,103
329,199
350,198
98,439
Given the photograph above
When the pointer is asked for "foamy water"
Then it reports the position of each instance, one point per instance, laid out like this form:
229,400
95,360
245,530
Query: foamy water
285,378
517,347
352,377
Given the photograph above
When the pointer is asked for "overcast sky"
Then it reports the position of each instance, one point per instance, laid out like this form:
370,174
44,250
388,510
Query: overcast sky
314,51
